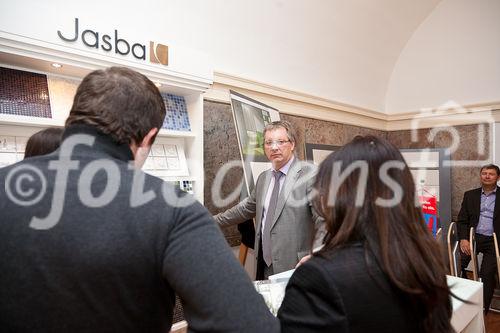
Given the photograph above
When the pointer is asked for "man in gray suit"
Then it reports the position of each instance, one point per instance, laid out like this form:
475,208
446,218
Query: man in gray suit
286,223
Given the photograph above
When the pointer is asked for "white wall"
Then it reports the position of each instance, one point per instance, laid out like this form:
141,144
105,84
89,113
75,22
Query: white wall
454,55
137,22
341,50
350,52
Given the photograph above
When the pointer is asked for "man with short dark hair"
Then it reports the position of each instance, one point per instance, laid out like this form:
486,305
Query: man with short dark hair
90,243
286,222
481,210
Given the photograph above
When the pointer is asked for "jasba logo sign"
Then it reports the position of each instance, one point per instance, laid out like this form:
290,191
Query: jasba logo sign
158,53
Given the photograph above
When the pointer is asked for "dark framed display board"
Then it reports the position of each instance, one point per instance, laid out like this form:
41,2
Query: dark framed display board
316,153
432,174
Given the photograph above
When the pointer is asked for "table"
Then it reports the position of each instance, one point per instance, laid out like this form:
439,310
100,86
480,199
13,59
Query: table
467,318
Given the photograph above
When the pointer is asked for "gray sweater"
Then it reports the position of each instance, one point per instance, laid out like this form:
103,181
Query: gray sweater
112,261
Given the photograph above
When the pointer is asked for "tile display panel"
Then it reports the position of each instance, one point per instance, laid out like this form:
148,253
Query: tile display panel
24,93
183,185
177,117
167,159
11,149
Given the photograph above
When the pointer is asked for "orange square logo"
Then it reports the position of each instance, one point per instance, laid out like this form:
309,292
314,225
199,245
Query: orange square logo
158,53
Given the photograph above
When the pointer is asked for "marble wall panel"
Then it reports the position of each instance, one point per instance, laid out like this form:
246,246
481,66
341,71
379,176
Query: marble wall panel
220,146
325,132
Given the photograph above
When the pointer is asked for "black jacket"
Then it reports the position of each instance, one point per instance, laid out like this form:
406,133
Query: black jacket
113,260
346,291
469,213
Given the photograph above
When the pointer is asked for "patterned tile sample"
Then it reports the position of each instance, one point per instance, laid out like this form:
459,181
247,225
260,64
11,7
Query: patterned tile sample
177,117
162,157
183,185
11,149
186,186
24,93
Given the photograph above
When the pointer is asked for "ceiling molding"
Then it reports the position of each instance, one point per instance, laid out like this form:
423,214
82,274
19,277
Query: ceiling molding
247,84
296,107
305,105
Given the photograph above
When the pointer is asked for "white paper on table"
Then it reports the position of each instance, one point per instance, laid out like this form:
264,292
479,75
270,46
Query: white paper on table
273,293
286,275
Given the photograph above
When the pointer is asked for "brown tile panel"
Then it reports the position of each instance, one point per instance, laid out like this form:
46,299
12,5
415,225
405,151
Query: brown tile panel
24,93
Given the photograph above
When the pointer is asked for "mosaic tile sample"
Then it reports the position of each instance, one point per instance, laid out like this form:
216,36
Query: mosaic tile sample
177,117
186,186
183,185
178,311
24,93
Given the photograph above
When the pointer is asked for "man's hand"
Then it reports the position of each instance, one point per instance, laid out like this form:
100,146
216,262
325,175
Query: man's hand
465,246
303,260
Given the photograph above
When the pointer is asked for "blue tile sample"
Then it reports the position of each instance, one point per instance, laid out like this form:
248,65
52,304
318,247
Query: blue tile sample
177,117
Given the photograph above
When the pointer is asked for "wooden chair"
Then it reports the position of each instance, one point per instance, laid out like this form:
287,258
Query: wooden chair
242,254
473,255
439,235
494,304
497,252
454,256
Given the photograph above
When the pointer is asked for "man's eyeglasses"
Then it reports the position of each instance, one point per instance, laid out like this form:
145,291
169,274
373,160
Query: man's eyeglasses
279,143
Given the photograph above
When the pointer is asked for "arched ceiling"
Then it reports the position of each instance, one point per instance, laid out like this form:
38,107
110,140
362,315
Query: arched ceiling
388,56
342,50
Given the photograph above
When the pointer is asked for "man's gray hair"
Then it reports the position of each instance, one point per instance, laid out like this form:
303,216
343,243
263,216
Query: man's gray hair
282,124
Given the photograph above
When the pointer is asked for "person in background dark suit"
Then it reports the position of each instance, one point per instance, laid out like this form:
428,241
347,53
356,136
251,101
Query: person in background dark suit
43,142
380,269
481,210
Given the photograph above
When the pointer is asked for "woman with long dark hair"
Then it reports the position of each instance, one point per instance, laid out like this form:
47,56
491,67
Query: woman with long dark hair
43,142
380,269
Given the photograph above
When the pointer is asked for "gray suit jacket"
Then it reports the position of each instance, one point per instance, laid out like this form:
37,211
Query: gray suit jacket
295,224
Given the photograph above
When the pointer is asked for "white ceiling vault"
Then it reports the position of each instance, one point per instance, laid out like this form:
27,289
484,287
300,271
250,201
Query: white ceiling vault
344,51
388,56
